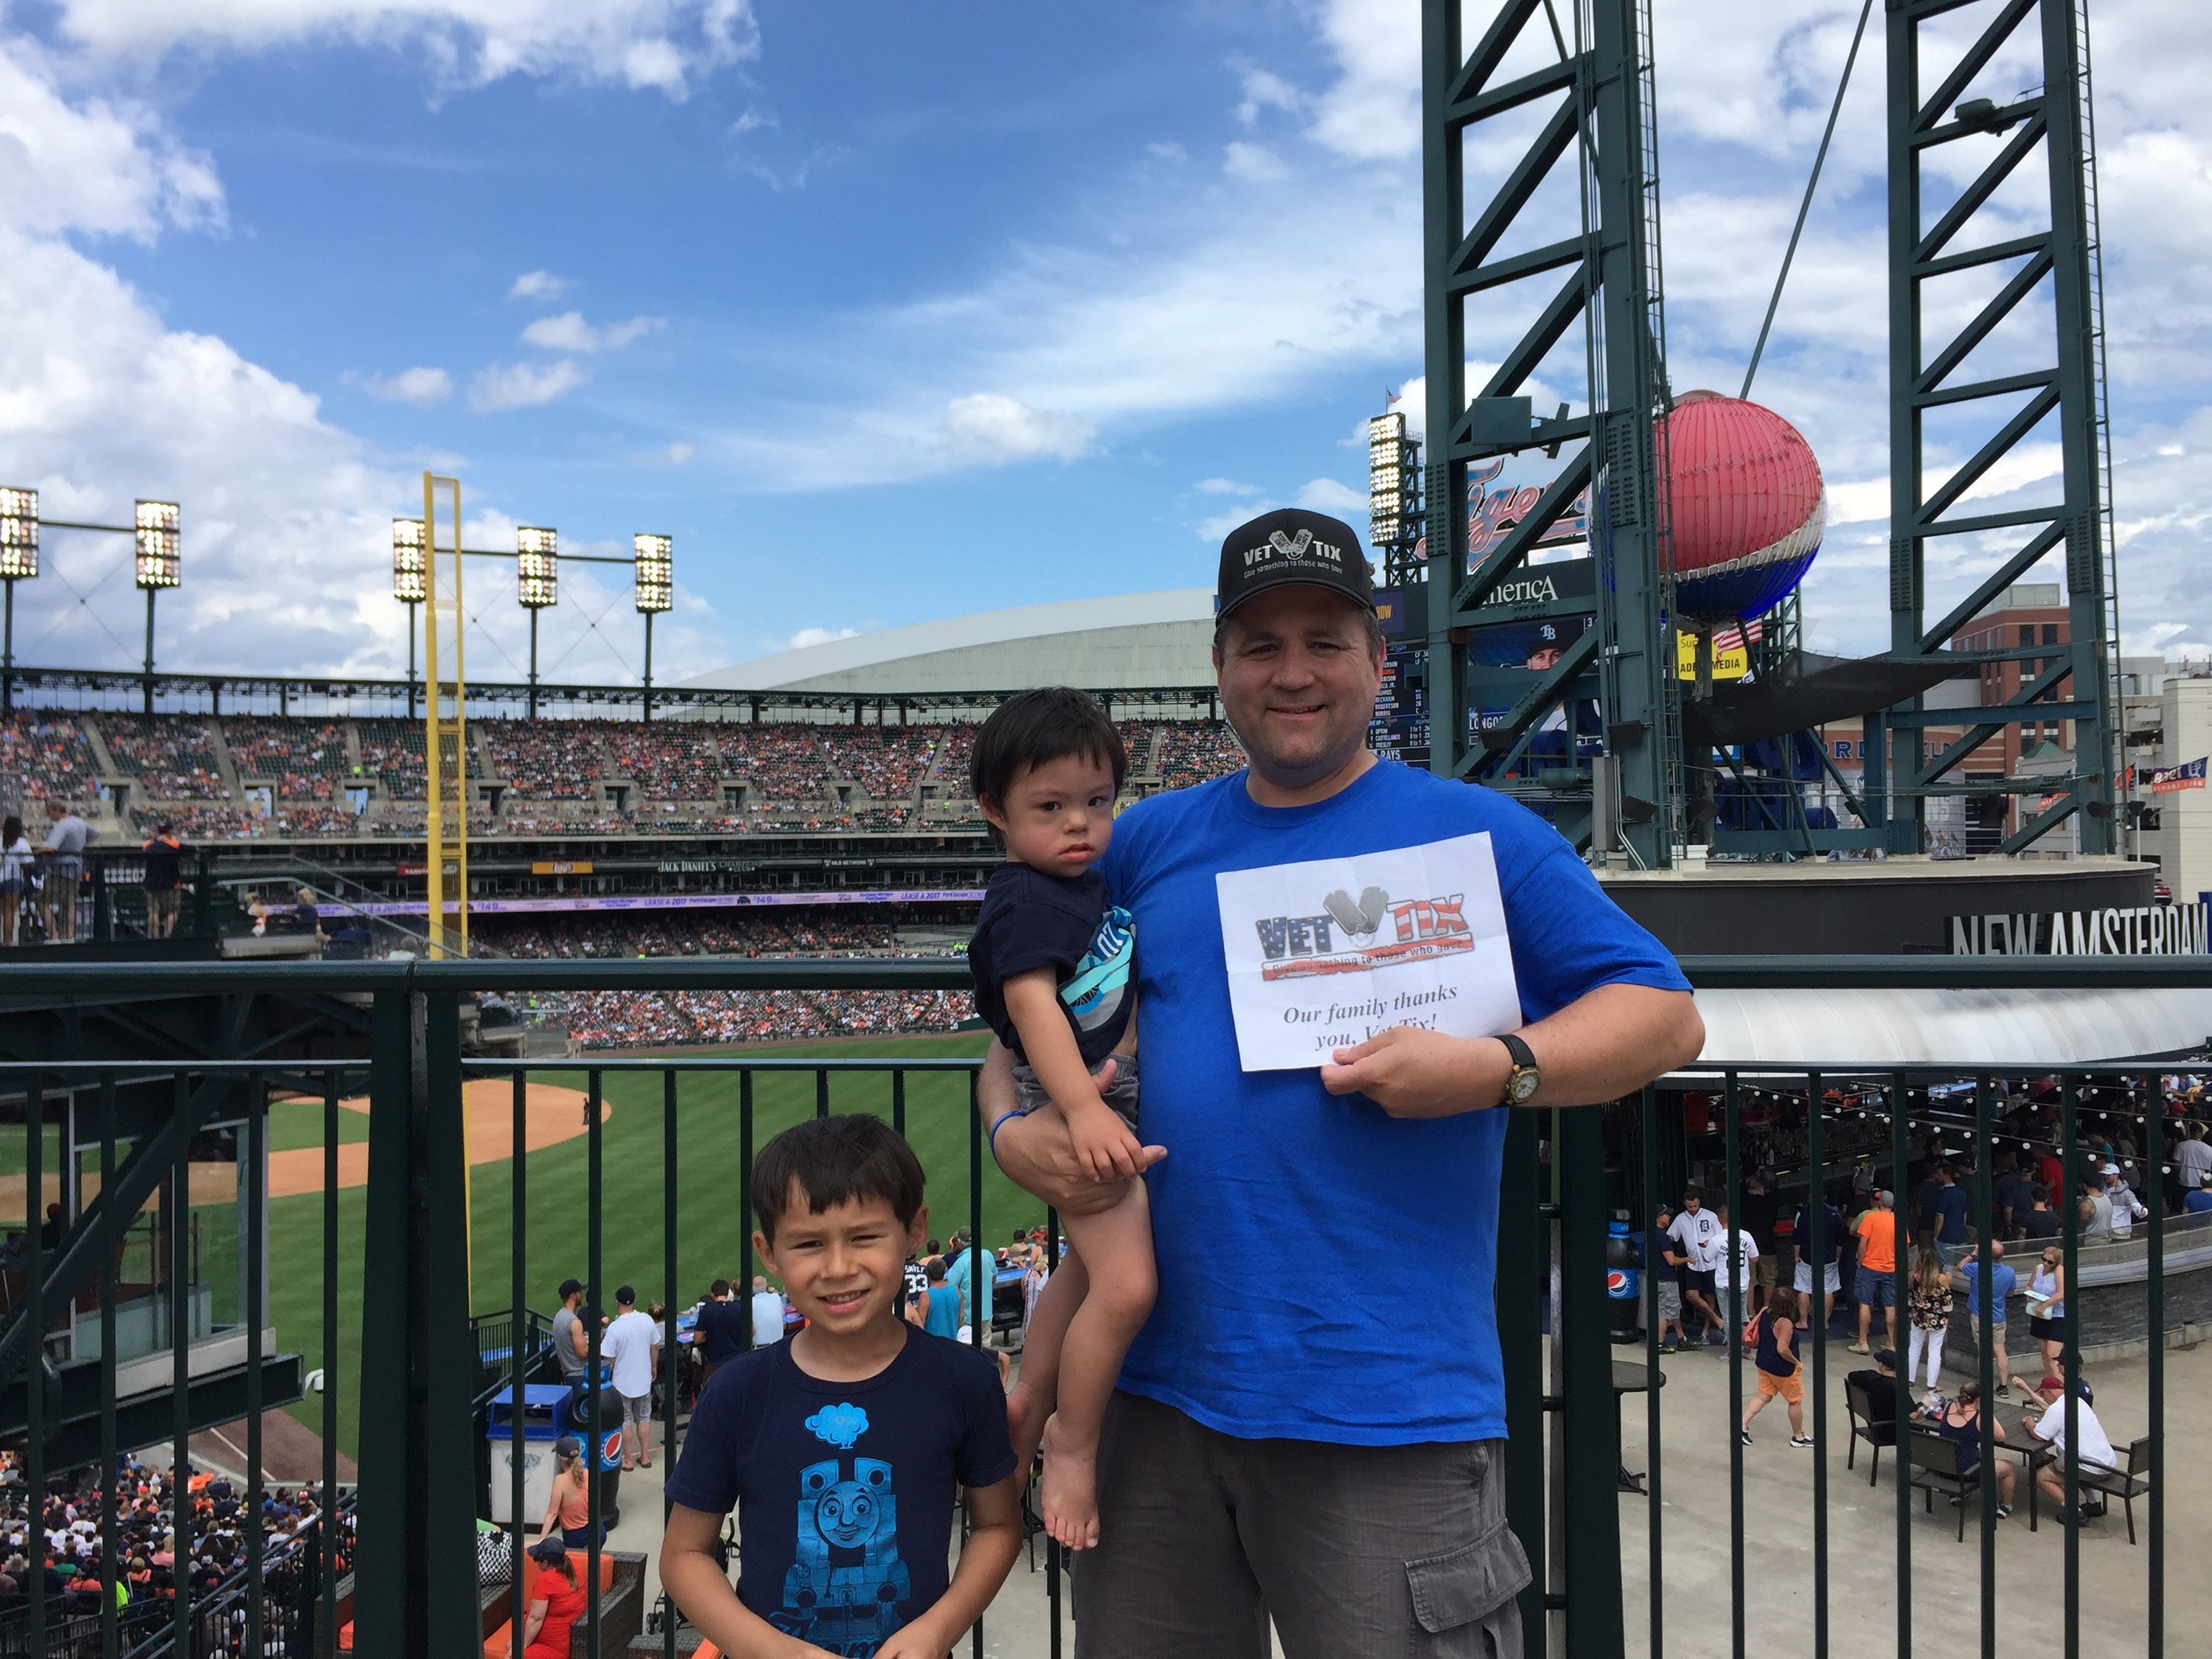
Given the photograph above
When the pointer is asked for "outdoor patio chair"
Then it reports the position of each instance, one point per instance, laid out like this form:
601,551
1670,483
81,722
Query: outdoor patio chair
1935,1468
1863,1427
2128,1484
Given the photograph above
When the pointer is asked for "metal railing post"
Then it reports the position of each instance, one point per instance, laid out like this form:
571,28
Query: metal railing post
416,1583
1587,1429
1519,1297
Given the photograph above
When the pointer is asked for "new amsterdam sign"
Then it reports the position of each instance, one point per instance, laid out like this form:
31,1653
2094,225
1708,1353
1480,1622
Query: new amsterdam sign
2158,930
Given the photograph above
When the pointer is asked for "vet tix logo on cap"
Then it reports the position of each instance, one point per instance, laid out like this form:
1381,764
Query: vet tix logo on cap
1292,545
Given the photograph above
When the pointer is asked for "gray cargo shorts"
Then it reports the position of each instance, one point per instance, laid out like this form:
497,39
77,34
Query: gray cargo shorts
1383,1551
1120,1094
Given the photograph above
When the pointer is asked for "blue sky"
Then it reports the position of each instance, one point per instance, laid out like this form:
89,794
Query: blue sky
885,311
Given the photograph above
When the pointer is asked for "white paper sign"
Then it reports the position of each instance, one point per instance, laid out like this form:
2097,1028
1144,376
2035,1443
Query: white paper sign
1325,954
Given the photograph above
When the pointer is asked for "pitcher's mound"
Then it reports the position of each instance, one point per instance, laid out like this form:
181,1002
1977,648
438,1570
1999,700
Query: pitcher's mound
550,1114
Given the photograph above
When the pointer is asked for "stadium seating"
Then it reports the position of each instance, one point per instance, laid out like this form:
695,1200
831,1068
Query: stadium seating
554,777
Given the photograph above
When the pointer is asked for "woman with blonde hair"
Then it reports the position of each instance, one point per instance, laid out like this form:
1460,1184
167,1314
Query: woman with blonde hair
1928,1301
570,1500
2046,1303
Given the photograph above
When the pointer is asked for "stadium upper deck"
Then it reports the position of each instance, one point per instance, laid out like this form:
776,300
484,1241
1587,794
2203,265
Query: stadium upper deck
262,777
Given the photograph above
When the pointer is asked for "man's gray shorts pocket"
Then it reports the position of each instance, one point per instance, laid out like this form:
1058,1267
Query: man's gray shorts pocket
1474,1584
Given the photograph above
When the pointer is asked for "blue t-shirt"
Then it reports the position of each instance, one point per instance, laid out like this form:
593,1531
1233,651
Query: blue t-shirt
721,1328
2003,1277
1030,919
1279,1204
1833,1232
844,1490
2198,1203
1951,1205
943,1318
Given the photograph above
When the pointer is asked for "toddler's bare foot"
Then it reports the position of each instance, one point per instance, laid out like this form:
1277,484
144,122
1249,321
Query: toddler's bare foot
1070,1489
1025,1420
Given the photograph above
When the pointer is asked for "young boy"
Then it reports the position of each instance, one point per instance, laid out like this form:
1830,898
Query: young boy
1054,962
843,1447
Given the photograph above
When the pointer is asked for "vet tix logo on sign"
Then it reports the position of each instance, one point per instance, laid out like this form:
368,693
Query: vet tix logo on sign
1358,937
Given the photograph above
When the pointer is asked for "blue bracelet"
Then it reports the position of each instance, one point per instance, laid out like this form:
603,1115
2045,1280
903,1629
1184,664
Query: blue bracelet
1002,1123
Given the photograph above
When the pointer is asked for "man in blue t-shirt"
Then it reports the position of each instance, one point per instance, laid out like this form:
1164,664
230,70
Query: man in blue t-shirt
2198,1204
1280,1429
1949,1210
2005,1283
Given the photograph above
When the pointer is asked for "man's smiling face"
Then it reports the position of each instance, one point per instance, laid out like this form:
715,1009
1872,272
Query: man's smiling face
1298,677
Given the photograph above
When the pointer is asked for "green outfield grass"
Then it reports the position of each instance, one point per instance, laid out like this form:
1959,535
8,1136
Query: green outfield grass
556,1240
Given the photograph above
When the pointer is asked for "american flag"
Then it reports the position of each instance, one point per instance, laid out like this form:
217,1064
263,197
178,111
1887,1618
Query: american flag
1735,638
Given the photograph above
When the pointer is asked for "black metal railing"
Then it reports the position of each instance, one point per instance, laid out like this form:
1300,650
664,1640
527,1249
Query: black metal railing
385,1290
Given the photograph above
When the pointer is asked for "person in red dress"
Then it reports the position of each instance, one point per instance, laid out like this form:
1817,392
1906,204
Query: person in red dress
557,1601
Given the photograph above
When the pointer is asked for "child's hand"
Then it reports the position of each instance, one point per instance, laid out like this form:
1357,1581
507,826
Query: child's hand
1104,1145
913,1643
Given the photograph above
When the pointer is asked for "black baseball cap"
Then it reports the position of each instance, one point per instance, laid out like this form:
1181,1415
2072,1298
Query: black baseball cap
570,1287
625,1297
1291,545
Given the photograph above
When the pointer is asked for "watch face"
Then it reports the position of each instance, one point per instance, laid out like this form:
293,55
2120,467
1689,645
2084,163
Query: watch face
1525,1084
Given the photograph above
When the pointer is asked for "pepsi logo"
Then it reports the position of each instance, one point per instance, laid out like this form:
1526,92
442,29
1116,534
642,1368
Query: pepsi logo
610,1448
1616,1282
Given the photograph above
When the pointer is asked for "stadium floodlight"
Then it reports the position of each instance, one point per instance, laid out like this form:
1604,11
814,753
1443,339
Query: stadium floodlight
1394,491
159,546
410,569
537,567
19,535
656,572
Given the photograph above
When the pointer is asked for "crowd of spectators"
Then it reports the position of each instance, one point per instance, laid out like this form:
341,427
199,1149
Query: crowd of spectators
1192,753
172,757
64,1540
199,824
672,762
829,930
392,752
304,756
631,1019
546,760
45,756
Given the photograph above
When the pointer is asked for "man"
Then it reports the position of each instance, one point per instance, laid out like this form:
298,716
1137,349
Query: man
1732,1261
1698,1230
1880,1386
720,1334
1951,1207
2041,1221
1875,1284
63,867
2046,1421
1831,1251
164,876
2127,1208
2004,1284
630,1348
1667,1275
572,1339
2012,1192
2192,1161
2198,1204
969,1271
1257,1463
767,1312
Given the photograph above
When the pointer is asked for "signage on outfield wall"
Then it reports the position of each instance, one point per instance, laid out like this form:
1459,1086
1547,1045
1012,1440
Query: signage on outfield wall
2155,930
560,867
707,866
488,906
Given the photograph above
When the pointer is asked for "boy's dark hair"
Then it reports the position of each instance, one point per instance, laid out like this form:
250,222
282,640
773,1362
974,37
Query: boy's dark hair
720,1287
833,1159
934,1273
1034,727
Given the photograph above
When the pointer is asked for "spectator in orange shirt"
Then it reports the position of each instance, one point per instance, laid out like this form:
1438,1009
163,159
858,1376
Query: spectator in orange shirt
1876,1231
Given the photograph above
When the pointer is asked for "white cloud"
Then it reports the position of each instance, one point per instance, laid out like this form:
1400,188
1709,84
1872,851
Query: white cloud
806,636
537,285
523,386
666,44
99,167
1253,163
989,426
1328,495
676,453
1264,91
1224,487
412,386
1216,525
752,121
570,332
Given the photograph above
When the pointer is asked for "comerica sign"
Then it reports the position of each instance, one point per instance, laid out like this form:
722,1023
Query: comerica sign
2158,930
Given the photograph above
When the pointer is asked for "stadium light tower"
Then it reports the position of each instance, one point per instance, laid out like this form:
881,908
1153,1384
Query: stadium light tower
655,590
536,585
411,584
19,562
1394,496
157,567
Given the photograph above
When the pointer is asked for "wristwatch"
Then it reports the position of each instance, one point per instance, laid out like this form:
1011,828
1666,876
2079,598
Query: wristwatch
1524,1080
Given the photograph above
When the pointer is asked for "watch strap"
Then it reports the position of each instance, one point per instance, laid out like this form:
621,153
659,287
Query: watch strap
1524,1055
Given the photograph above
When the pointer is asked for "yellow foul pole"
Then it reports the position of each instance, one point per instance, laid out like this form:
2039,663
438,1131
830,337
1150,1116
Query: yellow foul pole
434,774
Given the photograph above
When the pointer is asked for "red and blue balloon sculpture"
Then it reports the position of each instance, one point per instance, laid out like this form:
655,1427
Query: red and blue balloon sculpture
1748,506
